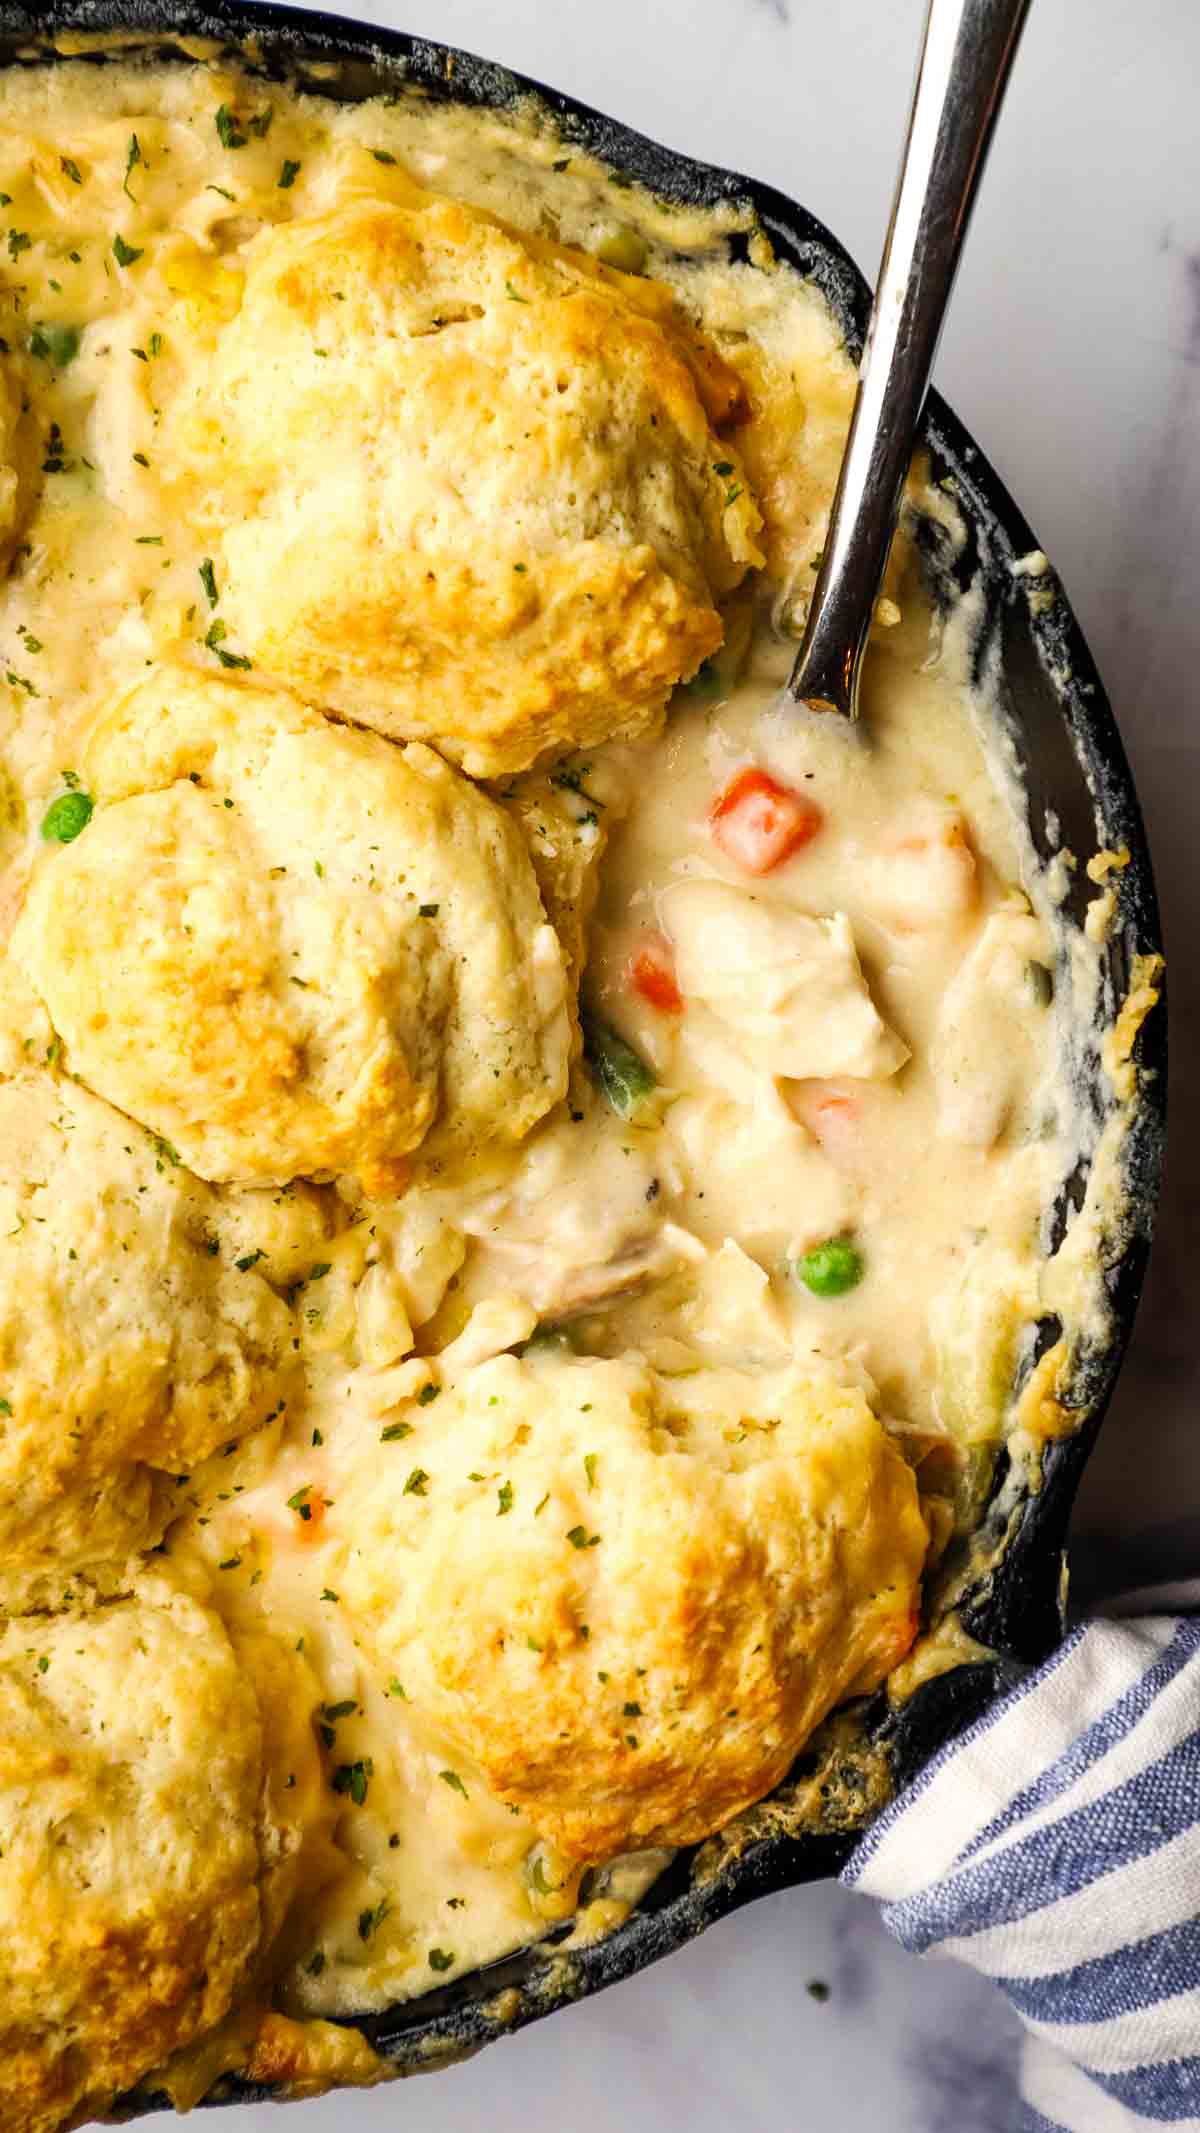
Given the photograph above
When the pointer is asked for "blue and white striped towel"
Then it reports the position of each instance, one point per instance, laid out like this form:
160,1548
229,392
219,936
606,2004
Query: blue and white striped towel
1055,1846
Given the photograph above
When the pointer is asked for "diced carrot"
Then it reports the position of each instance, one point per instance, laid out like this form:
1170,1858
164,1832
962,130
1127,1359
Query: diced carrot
759,823
925,876
310,1517
652,974
832,1116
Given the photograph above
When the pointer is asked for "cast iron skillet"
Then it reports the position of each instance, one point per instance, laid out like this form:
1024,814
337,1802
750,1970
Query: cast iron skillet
1075,771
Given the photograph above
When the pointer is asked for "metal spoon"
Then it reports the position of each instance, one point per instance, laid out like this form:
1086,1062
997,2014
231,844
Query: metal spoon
965,60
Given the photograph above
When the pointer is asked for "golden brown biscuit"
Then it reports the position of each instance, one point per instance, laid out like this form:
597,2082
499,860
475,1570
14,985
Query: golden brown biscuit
130,1914
130,1346
294,1824
292,948
625,1601
566,835
474,485
784,345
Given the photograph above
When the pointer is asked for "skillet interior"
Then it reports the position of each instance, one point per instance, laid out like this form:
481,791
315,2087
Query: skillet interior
1073,766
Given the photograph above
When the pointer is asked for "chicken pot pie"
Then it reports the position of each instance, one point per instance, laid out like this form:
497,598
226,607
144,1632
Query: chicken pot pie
522,1166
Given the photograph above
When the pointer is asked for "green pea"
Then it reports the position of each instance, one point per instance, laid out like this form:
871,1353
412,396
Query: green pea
706,681
624,1078
66,816
624,250
536,1874
831,1268
548,1340
1041,983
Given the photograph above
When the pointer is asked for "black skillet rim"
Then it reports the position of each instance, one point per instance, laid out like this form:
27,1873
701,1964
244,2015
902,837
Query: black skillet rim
1019,1610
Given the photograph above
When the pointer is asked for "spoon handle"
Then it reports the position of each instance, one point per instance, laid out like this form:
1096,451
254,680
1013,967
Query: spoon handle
965,60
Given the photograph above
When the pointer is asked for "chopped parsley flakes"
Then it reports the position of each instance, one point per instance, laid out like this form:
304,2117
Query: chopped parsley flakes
228,130
215,642
233,134
54,344
352,1780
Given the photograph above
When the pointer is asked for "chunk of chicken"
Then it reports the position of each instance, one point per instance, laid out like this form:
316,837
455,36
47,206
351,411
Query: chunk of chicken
986,1040
789,987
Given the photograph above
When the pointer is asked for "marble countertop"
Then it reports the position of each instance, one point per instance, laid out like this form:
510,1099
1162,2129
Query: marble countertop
1073,353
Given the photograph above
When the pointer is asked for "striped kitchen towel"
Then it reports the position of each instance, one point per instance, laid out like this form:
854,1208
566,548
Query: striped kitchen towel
1055,1845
